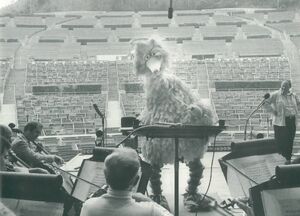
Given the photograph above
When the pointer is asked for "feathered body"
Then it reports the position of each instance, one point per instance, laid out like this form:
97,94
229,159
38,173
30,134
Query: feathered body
168,100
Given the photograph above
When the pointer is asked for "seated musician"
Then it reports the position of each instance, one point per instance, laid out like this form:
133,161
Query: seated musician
25,149
121,174
5,163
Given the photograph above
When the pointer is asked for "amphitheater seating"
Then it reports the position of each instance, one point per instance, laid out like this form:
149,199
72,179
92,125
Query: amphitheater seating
91,35
194,12
153,13
250,69
8,50
67,72
80,23
280,17
255,31
4,21
176,33
115,14
17,33
56,32
116,49
116,22
296,41
62,114
29,22
257,47
127,34
154,22
133,103
193,20
235,106
228,20
4,71
49,21
227,33
254,16
126,73
204,48
291,29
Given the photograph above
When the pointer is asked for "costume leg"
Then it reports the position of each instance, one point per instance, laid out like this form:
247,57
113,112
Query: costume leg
156,183
193,200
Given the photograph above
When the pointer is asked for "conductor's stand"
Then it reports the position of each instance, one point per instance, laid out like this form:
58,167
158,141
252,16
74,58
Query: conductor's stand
32,194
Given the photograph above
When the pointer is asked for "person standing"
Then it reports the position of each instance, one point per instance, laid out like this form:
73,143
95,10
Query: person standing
284,104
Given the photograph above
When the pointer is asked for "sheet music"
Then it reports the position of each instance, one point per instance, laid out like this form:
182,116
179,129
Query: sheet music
281,202
33,208
259,168
92,171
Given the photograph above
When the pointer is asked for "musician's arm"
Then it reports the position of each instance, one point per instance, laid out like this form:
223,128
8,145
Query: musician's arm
28,155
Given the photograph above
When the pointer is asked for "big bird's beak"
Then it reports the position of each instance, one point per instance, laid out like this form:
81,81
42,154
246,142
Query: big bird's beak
154,63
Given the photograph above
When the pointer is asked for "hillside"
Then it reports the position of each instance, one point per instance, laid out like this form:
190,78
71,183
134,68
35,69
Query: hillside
32,6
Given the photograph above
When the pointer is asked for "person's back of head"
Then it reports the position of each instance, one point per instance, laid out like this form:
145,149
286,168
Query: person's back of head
121,169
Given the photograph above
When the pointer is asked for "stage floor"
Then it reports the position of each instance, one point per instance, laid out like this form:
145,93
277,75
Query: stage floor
218,188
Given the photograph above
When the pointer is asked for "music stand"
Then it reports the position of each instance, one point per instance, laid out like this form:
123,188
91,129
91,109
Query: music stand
39,189
287,177
96,162
177,131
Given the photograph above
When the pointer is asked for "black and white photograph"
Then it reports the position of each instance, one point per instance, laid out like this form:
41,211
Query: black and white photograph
149,107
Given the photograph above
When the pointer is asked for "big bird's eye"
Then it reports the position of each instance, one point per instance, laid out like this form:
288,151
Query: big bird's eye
147,57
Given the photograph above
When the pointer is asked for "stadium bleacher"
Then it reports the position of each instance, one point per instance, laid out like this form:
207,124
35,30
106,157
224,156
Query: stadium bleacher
228,20
91,35
255,31
291,29
113,48
67,72
62,114
9,33
296,41
5,66
176,33
249,69
49,21
127,34
194,20
80,23
4,21
204,49
257,47
116,22
8,50
280,17
154,22
29,22
253,16
226,33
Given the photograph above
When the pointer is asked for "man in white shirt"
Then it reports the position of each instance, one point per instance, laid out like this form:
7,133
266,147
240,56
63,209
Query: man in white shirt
121,174
284,105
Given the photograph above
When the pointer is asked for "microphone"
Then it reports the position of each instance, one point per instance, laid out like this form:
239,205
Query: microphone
170,11
98,111
266,96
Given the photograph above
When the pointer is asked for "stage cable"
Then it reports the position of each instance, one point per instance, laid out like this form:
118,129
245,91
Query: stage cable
211,168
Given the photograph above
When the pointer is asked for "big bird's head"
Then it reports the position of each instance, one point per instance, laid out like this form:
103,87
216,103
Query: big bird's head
149,57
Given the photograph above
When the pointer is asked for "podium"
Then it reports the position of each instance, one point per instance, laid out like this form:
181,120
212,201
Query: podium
177,131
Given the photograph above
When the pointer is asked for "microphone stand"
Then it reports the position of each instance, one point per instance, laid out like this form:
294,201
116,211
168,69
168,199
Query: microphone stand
251,114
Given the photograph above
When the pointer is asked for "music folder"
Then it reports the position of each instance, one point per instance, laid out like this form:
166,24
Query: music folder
279,196
250,163
92,170
32,194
